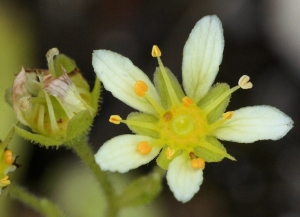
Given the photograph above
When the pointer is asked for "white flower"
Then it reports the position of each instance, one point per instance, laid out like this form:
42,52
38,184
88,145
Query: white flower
182,125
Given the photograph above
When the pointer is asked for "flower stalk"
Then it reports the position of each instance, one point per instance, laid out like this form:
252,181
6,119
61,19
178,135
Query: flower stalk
83,150
41,205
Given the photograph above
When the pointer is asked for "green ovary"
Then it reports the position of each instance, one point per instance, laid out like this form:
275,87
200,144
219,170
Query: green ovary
182,127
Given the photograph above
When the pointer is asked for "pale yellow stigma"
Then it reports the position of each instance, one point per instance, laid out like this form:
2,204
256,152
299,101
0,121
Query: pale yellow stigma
170,153
198,163
144,148
244,82
4,182
187,101
155,51
140,88
8,157
115,119
227,115
50,55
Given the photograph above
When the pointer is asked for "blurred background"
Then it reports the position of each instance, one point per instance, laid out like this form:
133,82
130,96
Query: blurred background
262,40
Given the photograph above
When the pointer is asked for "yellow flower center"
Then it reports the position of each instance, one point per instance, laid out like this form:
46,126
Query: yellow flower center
182,126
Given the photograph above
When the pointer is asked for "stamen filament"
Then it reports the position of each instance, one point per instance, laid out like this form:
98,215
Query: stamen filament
157,107
8,138
215,103
217,124
41,122
140,124
52,118
172,94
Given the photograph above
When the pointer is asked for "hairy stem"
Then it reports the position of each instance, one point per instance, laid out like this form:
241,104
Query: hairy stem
41,205
84,151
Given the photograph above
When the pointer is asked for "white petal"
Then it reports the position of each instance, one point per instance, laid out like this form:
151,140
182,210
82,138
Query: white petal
250,124
119,76
184,181
202,55
120,153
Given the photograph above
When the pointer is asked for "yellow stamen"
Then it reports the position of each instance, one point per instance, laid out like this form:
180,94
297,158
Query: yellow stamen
115,119
8,157
187,101
53,122
245,83
217,101
172,94
167,116
227,115
198,163
4,182
155,51
144,147
140,88
170,153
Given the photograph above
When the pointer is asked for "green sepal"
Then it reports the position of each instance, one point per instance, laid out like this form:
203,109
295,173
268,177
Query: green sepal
214,92
144,120
96,95
80,81
162,159
64,61
162,88
142,190
79,125
38,138
211,150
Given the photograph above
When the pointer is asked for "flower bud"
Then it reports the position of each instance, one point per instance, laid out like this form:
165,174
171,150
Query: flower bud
56,103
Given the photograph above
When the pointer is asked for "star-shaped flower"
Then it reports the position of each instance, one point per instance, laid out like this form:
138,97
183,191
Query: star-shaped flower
182,127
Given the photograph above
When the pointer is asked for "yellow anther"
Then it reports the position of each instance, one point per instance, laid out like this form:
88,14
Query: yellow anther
144,147
115,119
4,182
187,101
244,82
227,115
170,153
8,157
198,163
155,51
167,116
140,88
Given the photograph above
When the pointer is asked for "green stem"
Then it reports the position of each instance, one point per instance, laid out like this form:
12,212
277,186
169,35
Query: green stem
84,151
41,205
